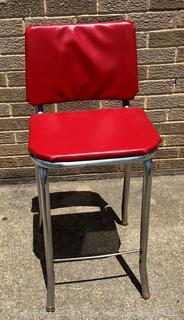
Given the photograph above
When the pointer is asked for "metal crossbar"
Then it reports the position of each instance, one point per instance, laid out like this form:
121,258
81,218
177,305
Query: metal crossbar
101,256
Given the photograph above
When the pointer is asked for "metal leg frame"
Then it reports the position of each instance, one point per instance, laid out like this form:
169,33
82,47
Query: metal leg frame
126,187
39,200
146,196
45,217
47,231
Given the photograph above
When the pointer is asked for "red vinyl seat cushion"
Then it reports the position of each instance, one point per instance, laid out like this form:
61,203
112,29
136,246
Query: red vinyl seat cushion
94,134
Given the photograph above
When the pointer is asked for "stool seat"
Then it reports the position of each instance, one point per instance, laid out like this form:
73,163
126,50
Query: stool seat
94,134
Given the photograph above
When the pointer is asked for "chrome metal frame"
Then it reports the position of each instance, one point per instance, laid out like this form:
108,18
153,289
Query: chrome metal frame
145,210
42,167
126,188
44,201
85,163
100,256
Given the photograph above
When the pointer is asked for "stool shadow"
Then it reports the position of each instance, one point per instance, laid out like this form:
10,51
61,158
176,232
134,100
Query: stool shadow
80,234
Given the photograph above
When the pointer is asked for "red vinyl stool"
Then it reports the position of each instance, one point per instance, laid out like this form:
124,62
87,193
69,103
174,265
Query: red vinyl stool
93,61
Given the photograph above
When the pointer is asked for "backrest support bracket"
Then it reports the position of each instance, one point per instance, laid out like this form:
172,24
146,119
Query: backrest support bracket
125,103
39,109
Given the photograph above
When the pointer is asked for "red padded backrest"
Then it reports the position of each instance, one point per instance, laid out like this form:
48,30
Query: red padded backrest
81,62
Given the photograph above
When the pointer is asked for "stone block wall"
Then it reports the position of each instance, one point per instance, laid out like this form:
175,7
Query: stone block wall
160,42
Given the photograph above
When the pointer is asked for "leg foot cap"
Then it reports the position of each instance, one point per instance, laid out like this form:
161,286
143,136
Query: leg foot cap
145,295
50,308
124,223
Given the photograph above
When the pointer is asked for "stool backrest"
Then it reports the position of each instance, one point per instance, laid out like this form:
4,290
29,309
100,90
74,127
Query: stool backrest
92,61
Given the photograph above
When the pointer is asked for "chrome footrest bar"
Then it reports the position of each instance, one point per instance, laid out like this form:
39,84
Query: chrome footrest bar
97,257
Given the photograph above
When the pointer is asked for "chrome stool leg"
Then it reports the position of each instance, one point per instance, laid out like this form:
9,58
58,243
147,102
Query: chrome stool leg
146,196
47,231
126,187
39,201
